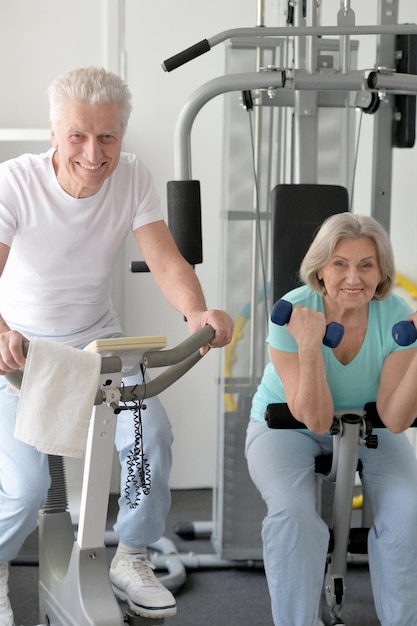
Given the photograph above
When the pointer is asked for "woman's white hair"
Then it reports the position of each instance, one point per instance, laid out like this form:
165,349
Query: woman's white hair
349,226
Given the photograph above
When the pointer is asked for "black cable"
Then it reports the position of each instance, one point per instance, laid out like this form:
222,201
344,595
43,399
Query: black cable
355,161
248,103
138,480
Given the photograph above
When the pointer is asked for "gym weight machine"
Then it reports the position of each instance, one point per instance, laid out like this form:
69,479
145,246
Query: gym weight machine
287,78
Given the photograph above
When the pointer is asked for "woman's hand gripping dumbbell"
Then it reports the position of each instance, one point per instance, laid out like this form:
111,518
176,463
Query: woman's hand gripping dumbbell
281,313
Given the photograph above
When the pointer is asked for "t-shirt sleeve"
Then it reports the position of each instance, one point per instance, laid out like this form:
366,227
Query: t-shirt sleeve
278,336
8,219
395,310
280,339
148,206
7,225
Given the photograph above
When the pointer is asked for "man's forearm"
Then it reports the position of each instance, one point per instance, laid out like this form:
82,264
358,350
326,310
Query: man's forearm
182,289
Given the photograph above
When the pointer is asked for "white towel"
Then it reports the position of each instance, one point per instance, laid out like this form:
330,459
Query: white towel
57,397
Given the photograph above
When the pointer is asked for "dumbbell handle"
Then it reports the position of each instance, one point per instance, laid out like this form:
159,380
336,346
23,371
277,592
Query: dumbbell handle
404,333
281,313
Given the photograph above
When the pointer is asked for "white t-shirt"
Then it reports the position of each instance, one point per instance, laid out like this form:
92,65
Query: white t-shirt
56,283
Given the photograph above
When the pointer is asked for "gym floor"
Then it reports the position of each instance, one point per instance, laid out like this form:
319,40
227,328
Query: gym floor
225,597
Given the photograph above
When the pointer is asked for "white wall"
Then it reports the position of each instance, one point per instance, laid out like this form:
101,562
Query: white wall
41,38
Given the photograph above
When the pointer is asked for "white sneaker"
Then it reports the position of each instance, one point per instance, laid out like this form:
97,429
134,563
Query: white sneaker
134,581
6,613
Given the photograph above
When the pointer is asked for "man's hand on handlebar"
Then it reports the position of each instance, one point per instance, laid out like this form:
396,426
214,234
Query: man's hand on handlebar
220,321
11,351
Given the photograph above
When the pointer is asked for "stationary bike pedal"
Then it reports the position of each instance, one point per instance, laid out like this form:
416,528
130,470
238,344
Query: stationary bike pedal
133,619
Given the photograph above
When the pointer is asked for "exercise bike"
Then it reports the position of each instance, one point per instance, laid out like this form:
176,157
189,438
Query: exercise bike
74,585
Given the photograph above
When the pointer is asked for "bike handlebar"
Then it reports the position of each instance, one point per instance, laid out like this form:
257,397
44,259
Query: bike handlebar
279,416
177,360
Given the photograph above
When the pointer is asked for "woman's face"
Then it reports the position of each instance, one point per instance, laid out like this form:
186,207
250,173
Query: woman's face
352,274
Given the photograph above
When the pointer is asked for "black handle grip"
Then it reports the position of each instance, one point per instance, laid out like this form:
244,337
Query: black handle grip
184,218
186,55
281,313
278,415
138,266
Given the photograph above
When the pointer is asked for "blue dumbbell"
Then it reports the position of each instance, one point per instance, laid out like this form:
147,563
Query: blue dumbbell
404,333
281,313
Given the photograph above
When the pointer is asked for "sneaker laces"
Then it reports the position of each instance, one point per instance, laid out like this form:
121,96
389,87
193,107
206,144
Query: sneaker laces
143,569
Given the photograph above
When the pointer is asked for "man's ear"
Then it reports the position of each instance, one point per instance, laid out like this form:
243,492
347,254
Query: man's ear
53,138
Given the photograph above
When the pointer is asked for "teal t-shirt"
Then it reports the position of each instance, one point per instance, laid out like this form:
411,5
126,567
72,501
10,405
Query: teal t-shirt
351,385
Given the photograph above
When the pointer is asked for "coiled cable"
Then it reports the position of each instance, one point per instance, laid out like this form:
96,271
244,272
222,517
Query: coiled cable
138,480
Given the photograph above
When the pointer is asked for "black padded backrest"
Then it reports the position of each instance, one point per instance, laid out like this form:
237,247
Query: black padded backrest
298,211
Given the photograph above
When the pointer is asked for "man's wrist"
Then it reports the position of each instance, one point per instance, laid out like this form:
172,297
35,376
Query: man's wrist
4,328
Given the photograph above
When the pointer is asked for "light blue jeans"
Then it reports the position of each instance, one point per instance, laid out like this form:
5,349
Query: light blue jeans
24,478
295,538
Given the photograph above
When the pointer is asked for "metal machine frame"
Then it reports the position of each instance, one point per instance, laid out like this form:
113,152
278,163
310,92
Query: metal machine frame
299,90
304,87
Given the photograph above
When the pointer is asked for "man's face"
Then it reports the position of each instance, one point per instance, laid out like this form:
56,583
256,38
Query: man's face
88,141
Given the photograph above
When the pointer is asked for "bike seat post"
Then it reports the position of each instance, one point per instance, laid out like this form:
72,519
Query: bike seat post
349,439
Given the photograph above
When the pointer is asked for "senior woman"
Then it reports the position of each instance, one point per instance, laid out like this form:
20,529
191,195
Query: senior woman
348,273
